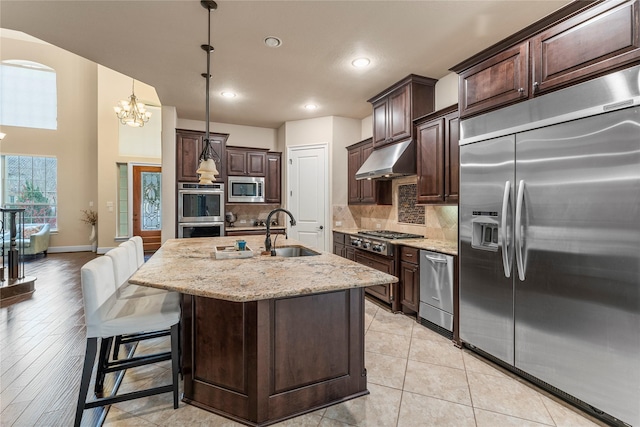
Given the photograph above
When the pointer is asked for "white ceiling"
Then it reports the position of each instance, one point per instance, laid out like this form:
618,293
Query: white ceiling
158,42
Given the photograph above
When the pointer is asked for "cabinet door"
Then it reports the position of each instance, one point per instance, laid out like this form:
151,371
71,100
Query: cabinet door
354,163
399,115
451,158
219,143
367,186
430,162
338,249
500,80
410,285
382,292
349,252
256,163
598,40
273,181
236,162
380,122
188,148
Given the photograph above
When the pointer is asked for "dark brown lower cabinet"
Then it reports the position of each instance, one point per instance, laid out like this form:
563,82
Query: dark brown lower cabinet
387,293
409,280
260,362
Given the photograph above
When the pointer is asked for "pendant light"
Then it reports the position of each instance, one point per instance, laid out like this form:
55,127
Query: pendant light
208,156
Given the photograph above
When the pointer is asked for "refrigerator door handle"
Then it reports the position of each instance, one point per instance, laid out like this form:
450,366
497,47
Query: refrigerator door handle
506,259
518,232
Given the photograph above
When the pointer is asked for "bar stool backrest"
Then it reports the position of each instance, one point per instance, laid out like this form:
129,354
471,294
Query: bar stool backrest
139,249
98,292
132,254
120,257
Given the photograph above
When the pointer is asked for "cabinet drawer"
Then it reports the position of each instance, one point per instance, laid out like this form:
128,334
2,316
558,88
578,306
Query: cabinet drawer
338,238
408,254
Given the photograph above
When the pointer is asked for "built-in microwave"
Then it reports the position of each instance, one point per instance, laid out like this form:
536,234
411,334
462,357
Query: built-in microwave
200,202
245,189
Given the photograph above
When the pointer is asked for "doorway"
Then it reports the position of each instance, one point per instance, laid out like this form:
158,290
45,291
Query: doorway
146,205
307,194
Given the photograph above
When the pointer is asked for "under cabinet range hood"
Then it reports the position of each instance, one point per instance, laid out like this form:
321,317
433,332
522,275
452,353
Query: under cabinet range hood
392,161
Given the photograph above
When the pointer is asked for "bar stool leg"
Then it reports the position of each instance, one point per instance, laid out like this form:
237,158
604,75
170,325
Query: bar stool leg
116,346
89,359
175,365
103,361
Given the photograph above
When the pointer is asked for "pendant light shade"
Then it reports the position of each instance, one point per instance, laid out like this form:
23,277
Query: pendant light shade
208,157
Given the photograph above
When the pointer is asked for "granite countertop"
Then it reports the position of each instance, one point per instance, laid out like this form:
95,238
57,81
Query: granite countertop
188,266
255,228
442,246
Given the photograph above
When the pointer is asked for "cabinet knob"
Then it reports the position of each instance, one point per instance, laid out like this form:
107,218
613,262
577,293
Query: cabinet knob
536,86
521,90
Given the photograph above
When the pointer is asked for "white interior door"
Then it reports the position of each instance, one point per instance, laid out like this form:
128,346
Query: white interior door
307,194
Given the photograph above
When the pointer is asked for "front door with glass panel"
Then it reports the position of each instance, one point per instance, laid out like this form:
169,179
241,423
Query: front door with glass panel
147,219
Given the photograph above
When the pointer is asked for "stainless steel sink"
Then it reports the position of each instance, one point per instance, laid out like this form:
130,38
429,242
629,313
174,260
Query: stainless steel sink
294,251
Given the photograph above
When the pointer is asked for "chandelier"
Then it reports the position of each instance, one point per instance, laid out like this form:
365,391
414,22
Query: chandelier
208,157
132,112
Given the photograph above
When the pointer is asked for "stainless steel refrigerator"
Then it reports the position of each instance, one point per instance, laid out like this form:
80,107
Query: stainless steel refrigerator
550,240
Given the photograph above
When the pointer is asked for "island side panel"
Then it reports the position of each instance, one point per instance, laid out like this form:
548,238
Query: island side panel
320,361
296,354
219,356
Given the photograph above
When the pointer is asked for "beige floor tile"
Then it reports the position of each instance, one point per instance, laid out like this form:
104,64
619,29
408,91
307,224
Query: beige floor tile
475,363
436,352
368,318
565,416
507,396
307,420
387,344
493,419
380,408
370,307
437,381
190,416
418,410
424,333
385,370
154,409
397,324
328,422
118,418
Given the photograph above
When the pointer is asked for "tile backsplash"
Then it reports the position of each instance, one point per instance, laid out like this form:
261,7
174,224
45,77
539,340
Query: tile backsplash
438,222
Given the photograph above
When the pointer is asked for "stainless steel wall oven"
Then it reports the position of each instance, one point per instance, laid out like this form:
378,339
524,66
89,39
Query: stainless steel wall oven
200,210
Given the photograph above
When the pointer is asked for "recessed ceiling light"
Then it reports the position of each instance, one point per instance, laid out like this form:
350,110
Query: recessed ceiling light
311,107
360,62
272,41
228,94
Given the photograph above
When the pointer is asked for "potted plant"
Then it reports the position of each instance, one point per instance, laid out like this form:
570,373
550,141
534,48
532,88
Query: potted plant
91,217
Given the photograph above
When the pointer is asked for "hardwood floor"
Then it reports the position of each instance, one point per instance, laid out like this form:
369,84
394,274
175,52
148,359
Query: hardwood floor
42,345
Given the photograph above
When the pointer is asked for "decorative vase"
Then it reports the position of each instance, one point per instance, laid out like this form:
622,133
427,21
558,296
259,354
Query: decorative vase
93,239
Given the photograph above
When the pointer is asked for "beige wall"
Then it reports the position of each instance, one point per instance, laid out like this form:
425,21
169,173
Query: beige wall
239,136
345,132
447,91
169,122
73,143
112,87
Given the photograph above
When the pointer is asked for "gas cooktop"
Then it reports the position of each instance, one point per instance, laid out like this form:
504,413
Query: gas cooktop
388,234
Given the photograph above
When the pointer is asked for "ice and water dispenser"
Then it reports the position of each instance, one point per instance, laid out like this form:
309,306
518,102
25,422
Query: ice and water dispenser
484,234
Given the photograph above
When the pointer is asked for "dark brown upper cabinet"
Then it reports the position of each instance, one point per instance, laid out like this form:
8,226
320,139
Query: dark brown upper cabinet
601,39
395,108
189,145
246,162
500,80
580,41
273,180
438,161
365,191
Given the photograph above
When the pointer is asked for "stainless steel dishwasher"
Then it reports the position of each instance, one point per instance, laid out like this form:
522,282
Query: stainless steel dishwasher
436,289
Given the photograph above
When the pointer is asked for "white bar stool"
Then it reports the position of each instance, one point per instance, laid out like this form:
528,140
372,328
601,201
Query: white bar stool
107,316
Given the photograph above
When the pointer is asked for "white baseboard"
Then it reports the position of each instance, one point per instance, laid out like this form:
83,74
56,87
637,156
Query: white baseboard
60,249
83,248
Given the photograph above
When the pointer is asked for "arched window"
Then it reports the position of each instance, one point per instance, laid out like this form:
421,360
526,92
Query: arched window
28,95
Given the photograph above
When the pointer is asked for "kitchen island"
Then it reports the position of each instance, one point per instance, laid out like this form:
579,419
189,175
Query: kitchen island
265,338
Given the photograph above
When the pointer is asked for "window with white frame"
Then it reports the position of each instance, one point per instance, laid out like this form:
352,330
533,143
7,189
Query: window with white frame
28,97
31,183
